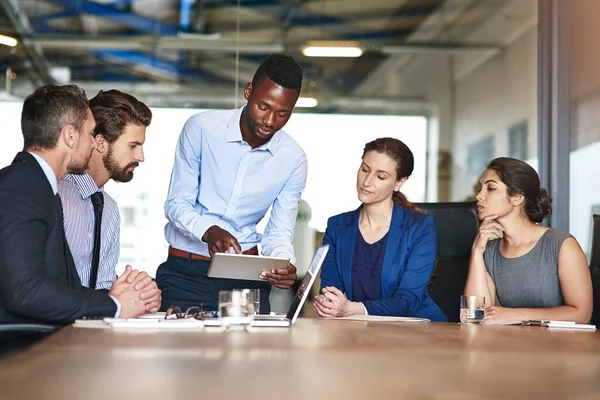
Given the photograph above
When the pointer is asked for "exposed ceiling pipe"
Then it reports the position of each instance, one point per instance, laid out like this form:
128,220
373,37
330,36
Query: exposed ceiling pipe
207,97
152,43
190,42
21,23
431,29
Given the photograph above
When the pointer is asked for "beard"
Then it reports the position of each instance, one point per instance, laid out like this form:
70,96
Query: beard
117,173
78,166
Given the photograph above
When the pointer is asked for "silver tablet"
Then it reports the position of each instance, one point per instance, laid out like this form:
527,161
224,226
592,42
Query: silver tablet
242,266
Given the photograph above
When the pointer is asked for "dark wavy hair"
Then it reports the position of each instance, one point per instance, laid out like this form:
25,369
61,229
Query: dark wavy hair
520,178
281,69
402,156
114,110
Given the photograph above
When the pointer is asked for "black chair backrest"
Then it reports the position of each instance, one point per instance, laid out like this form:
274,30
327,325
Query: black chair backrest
595,254
18,337
595,268
456,225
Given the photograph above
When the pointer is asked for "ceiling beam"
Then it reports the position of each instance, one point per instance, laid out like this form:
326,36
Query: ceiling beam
190,42
114,14
213,96
41,75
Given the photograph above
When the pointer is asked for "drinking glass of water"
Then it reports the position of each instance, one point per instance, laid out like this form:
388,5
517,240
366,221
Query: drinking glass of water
256,297
472,309
236,309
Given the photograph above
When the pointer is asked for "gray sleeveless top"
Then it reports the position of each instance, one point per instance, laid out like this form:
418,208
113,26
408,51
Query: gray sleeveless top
531,280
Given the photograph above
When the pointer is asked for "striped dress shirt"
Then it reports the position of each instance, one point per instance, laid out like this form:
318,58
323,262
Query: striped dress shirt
75,192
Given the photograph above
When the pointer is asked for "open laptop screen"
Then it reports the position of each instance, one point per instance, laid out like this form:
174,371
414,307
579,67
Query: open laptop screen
307,282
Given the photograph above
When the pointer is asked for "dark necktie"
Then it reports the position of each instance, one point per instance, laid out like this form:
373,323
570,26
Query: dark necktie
98,202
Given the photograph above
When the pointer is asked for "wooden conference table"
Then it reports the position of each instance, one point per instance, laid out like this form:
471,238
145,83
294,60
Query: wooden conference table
312,360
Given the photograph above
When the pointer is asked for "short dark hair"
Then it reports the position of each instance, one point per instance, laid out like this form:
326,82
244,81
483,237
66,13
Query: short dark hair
281,69
520,178
114,110
47,110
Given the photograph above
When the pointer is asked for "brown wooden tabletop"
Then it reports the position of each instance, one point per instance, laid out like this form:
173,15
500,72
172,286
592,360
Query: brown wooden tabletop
312,360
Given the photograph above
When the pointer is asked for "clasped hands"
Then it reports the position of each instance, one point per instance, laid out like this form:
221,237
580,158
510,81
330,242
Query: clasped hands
220,241
137,293
333,303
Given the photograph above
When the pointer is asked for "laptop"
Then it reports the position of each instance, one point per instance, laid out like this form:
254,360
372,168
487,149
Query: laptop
299,299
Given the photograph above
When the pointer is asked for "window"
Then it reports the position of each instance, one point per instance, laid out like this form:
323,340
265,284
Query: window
480,154
517,141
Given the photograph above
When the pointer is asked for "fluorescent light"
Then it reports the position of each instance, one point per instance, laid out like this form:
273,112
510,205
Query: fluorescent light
313,51
307,102
332,49
8,41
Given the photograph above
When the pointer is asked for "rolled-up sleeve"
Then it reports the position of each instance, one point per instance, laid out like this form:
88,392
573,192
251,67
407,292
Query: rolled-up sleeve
277,240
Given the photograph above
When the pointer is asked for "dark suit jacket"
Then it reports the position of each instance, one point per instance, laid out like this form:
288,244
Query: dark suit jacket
38,279
408,263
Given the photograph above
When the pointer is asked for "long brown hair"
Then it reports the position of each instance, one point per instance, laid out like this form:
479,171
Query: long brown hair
405,163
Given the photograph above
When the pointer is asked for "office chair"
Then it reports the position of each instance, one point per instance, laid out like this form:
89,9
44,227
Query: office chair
18,337
456,225
595,268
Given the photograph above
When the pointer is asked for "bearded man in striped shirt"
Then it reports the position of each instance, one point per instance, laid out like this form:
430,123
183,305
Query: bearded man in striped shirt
121,122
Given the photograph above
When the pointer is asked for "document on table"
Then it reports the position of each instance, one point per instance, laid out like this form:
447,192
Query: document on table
569,325
140,323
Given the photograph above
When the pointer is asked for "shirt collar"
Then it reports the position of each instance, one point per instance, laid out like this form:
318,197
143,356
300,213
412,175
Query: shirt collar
48,171
234,133
84,183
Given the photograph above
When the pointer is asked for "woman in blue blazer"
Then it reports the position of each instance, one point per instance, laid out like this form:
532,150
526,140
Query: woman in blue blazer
381,256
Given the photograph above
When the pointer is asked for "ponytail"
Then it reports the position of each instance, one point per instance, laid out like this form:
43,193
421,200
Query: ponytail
400,198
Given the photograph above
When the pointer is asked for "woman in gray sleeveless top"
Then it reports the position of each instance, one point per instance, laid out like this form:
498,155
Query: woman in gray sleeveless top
524,270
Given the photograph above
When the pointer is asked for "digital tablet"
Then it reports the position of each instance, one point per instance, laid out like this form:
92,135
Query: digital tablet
242,266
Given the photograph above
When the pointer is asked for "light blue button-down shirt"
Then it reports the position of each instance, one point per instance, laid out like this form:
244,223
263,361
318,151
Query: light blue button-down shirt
47,171
218,179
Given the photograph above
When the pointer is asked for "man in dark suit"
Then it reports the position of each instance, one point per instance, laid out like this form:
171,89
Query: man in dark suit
38,279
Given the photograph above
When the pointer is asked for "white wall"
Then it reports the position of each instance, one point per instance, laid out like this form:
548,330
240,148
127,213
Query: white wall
12,140
497,95
584,193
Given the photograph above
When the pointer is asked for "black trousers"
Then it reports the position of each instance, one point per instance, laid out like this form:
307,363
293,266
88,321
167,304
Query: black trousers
184,282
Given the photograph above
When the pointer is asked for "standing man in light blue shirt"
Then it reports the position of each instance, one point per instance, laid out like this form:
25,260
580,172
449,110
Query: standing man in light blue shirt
230,167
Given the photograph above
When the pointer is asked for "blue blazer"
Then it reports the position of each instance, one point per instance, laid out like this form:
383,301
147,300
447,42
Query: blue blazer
408,263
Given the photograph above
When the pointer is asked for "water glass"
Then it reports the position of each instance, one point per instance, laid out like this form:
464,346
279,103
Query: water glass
236,309
256,297
472,309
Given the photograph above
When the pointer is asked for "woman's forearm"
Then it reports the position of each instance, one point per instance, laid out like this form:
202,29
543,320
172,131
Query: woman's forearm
477,284
560,313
